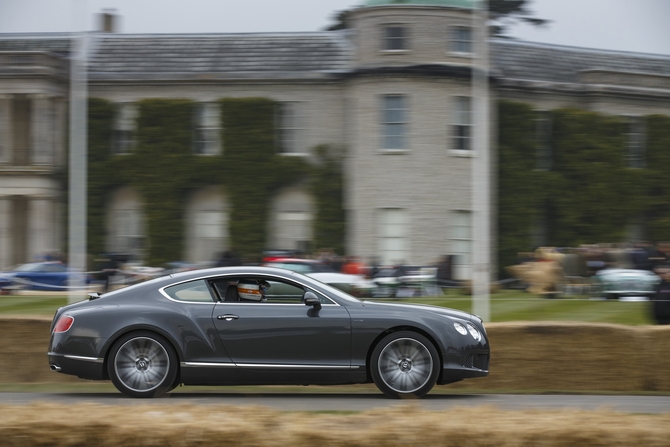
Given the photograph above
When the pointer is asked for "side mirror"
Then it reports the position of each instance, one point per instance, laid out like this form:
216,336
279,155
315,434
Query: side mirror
311,299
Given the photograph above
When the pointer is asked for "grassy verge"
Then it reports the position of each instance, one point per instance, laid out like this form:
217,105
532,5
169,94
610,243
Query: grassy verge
507,305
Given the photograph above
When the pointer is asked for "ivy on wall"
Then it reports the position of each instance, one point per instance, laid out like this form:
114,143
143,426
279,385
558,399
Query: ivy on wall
657,175
100,120
164,170
589,195
252,170
327,186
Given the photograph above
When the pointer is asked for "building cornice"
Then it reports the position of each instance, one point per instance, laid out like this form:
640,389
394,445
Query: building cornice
535,86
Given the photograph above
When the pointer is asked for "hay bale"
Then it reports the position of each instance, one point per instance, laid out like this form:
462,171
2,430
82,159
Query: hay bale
159,424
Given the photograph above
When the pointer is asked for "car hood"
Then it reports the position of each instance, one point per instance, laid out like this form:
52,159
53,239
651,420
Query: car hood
427,308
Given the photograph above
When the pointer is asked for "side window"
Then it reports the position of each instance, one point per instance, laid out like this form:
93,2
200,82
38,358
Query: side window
281,292
194,292
278,292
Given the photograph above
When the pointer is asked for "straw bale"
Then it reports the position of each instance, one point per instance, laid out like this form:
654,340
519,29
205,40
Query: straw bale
525,356
565,356
188,425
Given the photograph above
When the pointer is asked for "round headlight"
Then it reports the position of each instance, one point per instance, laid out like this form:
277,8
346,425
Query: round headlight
460,328
474,332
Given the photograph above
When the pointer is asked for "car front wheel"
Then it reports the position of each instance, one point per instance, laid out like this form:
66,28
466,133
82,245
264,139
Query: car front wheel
142,364
405,365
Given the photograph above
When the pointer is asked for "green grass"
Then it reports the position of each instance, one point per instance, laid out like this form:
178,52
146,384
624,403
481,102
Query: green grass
510,305
41,305
507,305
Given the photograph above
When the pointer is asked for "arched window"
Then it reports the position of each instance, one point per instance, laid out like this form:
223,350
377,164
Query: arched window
126,229
206,225
291,223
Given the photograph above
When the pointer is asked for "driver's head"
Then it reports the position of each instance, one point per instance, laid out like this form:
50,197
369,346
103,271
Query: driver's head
251,289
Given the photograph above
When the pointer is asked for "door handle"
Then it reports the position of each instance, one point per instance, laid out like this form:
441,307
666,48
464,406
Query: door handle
227,317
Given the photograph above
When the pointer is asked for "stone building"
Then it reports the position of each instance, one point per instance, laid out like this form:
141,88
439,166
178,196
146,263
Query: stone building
394,91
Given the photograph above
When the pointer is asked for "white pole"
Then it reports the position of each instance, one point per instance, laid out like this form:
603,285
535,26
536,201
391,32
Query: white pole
481,206
78,154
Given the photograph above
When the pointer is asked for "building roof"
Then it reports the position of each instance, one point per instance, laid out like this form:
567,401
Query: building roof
58,43
250,54
470,4
305,55
554,63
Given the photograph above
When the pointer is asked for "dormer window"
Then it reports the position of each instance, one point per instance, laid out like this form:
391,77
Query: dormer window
461,40
395,38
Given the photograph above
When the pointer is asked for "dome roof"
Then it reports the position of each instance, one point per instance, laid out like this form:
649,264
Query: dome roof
469,4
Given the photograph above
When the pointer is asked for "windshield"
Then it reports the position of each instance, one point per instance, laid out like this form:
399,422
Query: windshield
28,268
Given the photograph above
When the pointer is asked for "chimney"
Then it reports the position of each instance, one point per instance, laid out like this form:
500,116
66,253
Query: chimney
108,21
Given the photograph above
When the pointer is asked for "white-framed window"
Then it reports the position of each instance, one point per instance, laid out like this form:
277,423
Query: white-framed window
123,133
291,127
292,224
393,236
543,152
462,127
461,242
394,122
395,38
294,230
130,235
206,139
635,142
461,40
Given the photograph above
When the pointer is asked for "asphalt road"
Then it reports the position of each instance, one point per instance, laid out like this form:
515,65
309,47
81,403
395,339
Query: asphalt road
361,402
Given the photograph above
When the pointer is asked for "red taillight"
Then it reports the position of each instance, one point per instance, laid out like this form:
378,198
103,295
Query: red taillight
63,324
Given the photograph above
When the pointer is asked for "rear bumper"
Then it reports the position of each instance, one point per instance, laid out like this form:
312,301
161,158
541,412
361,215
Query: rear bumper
82,367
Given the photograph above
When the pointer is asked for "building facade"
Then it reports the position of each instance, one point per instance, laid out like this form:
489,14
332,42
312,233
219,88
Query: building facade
394,92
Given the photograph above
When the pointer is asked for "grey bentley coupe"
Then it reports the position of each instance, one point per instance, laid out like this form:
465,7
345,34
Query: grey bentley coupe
261,326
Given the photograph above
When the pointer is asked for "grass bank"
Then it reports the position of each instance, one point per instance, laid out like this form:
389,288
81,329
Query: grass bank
507,305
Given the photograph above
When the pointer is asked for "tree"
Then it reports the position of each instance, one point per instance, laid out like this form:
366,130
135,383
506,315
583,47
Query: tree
502,14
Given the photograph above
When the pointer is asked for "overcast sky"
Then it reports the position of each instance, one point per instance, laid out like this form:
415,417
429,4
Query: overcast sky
625,25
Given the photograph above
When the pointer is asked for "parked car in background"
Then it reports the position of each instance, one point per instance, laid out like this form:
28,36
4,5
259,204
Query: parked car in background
624,283
356,285
51,275
261,326
405,281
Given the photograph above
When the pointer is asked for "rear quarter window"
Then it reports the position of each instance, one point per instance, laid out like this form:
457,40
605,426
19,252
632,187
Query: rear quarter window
192,292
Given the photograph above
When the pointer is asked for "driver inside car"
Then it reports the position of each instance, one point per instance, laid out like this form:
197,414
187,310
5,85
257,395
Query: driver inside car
251,290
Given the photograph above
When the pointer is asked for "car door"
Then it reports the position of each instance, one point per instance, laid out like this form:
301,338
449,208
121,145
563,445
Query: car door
283,332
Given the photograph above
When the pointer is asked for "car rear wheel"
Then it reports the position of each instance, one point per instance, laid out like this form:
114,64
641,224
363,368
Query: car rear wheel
142,364
405,365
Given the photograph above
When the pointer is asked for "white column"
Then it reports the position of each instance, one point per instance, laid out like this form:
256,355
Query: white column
5,236
40,217
5,128
41,138
481,169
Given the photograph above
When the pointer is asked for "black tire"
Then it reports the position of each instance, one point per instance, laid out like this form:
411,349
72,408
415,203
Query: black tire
142,364
405,364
